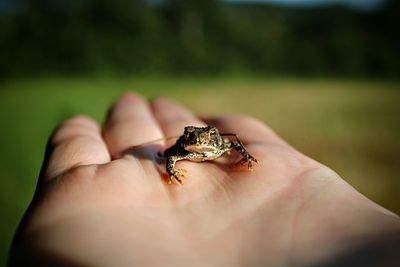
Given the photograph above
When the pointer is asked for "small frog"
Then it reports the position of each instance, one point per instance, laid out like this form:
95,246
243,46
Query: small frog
201,144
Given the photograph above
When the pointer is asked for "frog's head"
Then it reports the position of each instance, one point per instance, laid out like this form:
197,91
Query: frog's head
201,139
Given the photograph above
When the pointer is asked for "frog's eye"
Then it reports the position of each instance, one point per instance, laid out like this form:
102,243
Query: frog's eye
189,129
213,131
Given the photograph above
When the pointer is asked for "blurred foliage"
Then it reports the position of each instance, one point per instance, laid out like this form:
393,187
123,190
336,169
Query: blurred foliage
189,36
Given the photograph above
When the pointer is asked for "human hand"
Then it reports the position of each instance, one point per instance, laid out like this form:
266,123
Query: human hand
101,202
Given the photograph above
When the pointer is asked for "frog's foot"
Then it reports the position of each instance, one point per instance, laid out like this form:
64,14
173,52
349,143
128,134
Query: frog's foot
247,161
178,175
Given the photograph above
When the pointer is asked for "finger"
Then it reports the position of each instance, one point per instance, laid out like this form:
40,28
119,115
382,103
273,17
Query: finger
130,123
250,130
76,142
172,117
277,158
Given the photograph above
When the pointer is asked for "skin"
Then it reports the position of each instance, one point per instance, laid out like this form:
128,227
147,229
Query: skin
102,202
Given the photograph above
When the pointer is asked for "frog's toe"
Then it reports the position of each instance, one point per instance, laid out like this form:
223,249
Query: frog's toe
247,161
176,178
250,163
178,175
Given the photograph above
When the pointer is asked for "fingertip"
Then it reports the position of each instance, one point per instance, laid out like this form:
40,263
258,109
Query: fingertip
244,125
129,97
172,116
80,120
162,102
238,119
77,125
121,104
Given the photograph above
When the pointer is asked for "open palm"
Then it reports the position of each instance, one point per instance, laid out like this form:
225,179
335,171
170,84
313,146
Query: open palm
102,200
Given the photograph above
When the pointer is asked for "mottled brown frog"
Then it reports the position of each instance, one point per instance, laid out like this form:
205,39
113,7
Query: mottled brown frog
201,144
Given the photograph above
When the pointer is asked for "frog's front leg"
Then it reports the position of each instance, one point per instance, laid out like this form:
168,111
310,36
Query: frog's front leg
177,174
247,158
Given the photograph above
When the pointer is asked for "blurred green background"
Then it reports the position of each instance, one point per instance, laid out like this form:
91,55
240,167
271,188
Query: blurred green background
324,76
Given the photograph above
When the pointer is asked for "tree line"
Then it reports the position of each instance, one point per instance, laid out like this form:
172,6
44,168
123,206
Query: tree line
190,36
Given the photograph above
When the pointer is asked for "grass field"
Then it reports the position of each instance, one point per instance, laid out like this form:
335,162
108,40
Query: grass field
351,126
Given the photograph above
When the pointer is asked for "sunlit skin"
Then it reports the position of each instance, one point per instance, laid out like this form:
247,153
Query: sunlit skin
100,203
